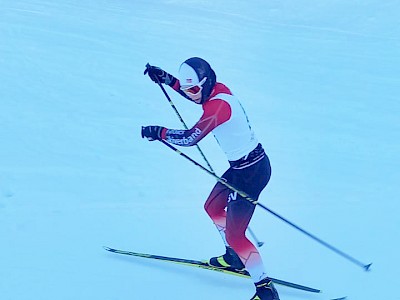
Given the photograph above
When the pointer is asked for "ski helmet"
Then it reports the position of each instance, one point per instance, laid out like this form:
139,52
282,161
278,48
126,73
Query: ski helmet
196,71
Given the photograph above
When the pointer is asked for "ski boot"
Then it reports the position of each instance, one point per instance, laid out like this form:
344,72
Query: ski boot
230,260
265,290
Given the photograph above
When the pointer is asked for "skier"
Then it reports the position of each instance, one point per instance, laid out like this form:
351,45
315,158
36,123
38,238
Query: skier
249,171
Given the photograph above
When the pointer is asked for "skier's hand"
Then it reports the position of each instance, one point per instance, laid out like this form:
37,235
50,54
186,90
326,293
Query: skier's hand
152,133
159,75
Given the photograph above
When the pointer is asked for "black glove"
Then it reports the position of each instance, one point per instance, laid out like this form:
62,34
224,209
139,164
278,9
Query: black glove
152,133
159,75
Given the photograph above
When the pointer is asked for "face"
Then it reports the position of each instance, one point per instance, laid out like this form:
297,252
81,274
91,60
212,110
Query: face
196,98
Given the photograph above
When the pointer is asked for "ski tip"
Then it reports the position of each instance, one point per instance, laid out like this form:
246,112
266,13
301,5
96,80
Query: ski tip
342,298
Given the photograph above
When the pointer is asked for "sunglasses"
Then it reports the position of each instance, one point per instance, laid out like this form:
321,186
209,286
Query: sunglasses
194,90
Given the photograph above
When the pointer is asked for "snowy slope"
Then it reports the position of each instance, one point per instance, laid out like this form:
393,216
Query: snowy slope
320,82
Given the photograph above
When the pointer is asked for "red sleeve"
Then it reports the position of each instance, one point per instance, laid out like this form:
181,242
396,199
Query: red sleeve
176,85
164,133
215,113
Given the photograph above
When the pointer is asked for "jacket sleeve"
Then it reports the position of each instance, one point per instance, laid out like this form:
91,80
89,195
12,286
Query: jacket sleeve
215,113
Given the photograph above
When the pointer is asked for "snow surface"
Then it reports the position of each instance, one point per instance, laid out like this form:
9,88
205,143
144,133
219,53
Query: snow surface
320,82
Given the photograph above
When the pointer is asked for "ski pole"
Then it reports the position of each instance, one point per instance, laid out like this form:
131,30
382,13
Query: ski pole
366,267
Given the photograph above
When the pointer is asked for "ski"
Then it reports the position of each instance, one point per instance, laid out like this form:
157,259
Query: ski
204,265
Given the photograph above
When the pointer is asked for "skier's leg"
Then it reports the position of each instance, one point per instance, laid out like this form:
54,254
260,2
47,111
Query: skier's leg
215,208
252,180
239,214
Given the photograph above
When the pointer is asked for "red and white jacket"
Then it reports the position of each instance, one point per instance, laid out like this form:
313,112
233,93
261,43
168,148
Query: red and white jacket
224,116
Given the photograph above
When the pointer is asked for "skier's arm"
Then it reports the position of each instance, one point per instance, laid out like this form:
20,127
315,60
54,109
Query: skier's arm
215,113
